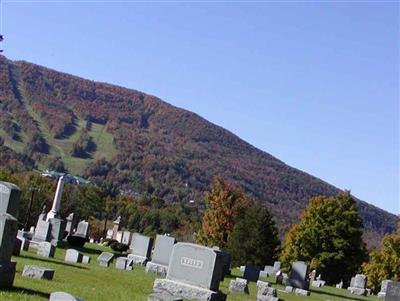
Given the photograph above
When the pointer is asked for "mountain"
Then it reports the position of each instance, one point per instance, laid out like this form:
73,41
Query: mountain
135,143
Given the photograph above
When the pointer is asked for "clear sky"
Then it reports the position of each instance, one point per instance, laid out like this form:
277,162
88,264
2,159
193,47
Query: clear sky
315,84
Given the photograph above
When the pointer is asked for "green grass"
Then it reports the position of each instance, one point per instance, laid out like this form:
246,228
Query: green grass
62,147
92,282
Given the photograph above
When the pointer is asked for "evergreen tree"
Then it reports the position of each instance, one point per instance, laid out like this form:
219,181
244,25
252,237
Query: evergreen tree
225,204
328,237
384,263
254,239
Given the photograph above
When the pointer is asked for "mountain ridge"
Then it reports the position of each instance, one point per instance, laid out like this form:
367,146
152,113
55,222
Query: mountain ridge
173,153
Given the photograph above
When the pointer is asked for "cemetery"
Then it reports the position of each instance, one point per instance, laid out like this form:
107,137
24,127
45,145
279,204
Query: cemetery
55,261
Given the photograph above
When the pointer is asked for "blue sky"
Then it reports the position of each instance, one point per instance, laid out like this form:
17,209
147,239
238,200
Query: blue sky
315,84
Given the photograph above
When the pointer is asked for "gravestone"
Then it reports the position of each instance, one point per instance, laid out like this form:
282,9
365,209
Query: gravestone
109,234
298,275
123,263
126,237
71,223
37,272
265,292
141,250
42,229
116,227
360,281
393,291
268,270
161,255
61,296
239,285
83,229
251,272
9,203
194,272
118,237
277,266
45,249
73,256
105,259
57,231
85,259
17,246
357,285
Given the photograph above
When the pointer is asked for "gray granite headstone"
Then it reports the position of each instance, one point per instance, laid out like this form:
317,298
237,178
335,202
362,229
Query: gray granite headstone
277,266
86,259
126,237
71,223
298,275
57,231
45,249
123,263
37,272
109,234
251,272
196,265
393,291
194,272
141,249
384,285
360,281
42,230
73,256
83,229
118,237
61,296
239,285
105,258
163,249
161,255
9,202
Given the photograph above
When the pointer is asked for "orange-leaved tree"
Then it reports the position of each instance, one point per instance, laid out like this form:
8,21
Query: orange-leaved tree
225,204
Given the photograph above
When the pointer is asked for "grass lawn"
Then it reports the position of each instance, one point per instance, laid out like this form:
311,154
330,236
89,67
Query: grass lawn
92,282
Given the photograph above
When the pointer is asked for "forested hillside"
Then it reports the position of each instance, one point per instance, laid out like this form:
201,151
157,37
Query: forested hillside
134,143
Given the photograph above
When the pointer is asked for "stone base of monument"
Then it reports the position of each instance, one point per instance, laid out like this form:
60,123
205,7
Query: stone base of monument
163,297
318,283
158,269
37,272
301,292
7,274
183,290
61,296
138,260
381,295
239,285
357,291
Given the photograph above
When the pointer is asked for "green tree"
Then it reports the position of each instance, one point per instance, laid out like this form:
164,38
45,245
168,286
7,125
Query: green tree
328,237
384,263
225,204
254,239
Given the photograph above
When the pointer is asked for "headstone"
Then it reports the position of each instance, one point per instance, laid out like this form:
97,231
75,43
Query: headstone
340,284
268,270
277,266
353,279
71,223
9,203
265,292
118,237
37,272
318,283
109,234
57,231
301,292
251,273
312,276
360,281
42,229
45,249
194,272
161,255
279,277
126,237
393,291
242,268
73,256
85,259
105,259
239,285
83,229
298,275
116,227
384,285
61,296
141,250
123,263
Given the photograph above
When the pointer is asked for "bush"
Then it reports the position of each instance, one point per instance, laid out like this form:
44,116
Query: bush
76,241
119,247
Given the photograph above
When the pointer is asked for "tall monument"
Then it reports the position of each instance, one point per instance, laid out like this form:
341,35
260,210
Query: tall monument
53,213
